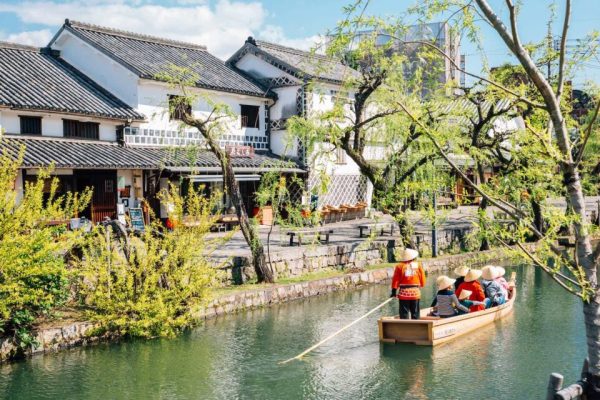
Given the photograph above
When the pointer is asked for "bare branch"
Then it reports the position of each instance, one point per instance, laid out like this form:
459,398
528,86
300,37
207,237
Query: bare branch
562,55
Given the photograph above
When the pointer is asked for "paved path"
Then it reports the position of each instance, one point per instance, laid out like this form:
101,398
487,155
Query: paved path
346,232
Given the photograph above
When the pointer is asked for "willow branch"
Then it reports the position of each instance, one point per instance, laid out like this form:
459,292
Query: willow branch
464,71
588,132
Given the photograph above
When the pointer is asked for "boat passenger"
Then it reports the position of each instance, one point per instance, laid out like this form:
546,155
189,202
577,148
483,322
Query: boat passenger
445,302
472,284
502,281
492,289
460,272
464,300
408,278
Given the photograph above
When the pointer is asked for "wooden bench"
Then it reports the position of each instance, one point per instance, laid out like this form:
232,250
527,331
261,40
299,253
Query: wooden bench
381,227
305,232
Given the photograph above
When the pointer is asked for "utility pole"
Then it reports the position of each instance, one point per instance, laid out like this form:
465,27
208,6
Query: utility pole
434,243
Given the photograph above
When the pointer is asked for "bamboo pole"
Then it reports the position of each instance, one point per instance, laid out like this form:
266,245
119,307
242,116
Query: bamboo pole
305,352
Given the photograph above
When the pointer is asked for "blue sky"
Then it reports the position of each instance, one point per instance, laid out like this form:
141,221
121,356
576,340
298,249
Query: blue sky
223,25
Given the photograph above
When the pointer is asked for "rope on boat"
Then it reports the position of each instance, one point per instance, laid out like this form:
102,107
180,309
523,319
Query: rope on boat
305,352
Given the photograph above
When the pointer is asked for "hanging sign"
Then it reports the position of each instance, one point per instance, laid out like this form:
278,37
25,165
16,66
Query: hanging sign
239,151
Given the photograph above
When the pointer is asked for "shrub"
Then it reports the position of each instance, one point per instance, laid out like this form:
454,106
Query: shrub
33,275
150,284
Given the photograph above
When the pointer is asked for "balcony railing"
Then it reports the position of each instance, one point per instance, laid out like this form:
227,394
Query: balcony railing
167,138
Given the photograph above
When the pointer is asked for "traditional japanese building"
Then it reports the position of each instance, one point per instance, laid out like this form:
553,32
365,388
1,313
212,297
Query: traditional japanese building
93,105
305,82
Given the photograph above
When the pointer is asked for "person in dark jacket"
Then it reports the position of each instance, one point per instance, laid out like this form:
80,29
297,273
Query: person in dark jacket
460,272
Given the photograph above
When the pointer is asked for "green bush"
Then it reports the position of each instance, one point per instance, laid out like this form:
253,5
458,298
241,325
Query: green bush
150,284
33,275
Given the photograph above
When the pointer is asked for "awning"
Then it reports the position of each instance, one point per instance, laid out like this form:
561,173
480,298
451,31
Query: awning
219,178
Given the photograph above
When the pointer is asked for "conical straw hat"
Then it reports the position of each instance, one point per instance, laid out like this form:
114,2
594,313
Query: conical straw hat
473,275
461,271
408,255
489,272
465,294
501,271
444,282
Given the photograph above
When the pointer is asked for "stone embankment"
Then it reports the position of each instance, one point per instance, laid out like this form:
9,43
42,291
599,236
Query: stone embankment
82,333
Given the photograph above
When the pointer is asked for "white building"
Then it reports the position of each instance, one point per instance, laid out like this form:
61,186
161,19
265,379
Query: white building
304,83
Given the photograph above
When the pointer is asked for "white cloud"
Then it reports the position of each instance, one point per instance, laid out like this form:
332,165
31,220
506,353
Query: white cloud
275,34
222,26
33,38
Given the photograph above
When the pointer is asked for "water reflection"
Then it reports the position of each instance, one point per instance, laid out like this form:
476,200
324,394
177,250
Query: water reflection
236,357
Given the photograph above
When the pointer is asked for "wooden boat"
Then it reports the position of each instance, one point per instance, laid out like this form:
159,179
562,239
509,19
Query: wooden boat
431,331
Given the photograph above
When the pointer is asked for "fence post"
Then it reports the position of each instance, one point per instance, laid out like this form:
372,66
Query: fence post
554,385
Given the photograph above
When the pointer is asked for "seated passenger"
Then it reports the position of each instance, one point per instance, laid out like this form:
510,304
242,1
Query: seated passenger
472,284
464,300
492,289
460,272
502,281
445,302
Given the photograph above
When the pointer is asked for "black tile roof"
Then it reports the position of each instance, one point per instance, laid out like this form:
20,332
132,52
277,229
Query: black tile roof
93,154
70,153
299,63
149,56
194,157
38,79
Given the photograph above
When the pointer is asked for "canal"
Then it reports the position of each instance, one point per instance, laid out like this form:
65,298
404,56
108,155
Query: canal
235,357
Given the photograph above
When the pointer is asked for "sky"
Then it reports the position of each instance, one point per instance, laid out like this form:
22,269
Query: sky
223,25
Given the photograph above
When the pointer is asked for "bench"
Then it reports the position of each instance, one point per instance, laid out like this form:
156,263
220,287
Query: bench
305,232
382,227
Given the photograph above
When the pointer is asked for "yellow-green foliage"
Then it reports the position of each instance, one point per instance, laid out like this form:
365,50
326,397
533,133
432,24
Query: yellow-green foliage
150,284
33,276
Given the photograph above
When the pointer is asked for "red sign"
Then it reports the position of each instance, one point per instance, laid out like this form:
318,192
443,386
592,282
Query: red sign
239,151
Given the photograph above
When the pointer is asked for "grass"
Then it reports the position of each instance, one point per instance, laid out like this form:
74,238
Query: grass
311,276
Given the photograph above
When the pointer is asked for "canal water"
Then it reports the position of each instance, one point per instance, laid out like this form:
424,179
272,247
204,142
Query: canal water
236,357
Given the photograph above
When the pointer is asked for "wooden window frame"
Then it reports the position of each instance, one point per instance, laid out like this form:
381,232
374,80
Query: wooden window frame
246,117
24,127
176,112
75,129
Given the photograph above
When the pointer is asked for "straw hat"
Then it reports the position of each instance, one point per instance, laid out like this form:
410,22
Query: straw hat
465,294
408,255
444,282
490,272
461,271
501,271
473,275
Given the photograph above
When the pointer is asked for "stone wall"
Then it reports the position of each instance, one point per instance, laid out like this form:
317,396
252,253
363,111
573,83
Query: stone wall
297,261
283,293
81,333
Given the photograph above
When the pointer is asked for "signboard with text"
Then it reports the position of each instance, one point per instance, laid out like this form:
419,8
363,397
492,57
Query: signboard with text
239,151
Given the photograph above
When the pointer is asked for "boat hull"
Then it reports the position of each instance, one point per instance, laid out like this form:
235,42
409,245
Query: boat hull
430,331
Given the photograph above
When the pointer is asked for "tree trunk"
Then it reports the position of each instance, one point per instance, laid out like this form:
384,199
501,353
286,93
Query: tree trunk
571,179
263,272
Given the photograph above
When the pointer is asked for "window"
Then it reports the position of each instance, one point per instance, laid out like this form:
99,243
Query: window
79,129
249,116
178,107
340,156
31,125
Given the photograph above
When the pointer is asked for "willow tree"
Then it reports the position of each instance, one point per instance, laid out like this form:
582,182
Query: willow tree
367,122
212,125
549,127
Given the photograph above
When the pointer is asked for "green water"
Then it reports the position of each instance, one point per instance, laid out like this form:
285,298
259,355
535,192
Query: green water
236,357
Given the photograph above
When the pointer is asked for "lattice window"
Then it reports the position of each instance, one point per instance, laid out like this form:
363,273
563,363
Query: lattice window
342,189
280,81
278,124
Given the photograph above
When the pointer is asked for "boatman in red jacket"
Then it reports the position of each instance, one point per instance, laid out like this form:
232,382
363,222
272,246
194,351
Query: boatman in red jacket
407,282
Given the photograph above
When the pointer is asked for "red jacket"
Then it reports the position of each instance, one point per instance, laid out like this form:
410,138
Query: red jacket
477,294
408,280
